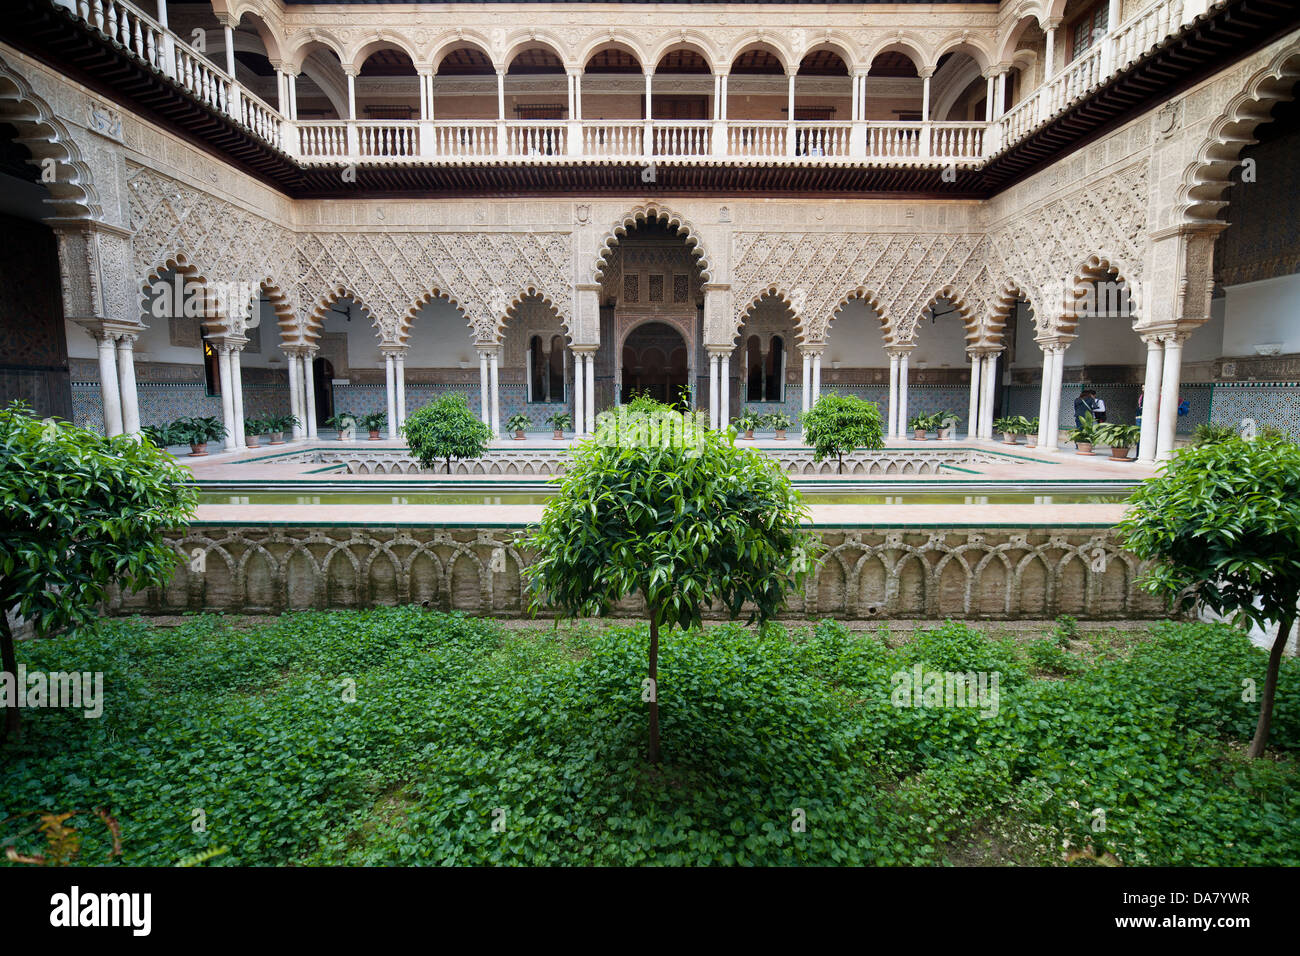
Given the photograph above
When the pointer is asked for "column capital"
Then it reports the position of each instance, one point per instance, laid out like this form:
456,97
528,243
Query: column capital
227,341
1052,23
901,351
722,351
584,349
394,349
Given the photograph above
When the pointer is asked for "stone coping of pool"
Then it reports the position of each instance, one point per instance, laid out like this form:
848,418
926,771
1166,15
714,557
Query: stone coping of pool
839,516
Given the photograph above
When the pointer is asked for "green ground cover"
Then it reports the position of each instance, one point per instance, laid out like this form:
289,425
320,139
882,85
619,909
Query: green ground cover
401,736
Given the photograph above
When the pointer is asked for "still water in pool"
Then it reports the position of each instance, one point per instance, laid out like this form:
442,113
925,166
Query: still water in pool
540,498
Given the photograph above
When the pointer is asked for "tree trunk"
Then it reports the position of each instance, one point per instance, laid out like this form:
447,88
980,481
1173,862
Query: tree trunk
654,686
1260,740
13,716
841,464
449,466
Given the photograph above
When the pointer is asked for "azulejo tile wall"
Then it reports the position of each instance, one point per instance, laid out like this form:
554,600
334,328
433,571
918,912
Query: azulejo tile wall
1121,403
164,402
1267,403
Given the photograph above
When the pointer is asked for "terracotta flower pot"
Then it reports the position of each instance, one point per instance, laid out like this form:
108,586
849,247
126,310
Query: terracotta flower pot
198,450
250,441
1119,453
558,434
749,433
1009,439
1083,448
277,438
519,435
919,433
374,434
780,434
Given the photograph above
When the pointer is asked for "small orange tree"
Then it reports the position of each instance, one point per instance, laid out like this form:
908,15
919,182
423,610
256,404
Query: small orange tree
657,504
1222,521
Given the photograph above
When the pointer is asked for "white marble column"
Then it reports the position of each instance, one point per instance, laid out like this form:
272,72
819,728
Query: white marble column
494,360
973,418
807,382
294,392
1045,396
109,392
485,402
1054,409
227,396
390,392
399,373
713,387
902,394
579,396
893,429
990,381
817,376
1151,399
590,417
724,390
309,393
237,395
1170,382
126,385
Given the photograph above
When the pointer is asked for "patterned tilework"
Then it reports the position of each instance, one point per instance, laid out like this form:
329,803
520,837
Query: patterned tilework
1276,404
163,402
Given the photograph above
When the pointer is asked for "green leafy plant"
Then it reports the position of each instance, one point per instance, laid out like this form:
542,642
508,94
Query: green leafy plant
561,421
445,429
1118,436
255,426
1207,433
683,521
777,421
748,420
1008,425
162,435
1222,524
341,421
1086,433
374,422
838,424
81,512
922,422
278,424
1066,630
518,422
1026,426
198,430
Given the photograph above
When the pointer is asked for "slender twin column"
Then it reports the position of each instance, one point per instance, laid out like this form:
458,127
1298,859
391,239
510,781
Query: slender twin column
897,391
117,386
1049,404
489,360
395,379
989,383
1151,388
720,386
584,390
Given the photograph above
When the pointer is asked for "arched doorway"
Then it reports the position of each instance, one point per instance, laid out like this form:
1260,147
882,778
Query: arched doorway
322,371
654,363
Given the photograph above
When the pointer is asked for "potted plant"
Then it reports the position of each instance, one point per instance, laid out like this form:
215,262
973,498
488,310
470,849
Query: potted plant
161,435
921,425
373,423
561,421
252,428
517,423
1009,426
1026,426
747,422
779,422
277,425
344,422
1119,437
197,432
1085,436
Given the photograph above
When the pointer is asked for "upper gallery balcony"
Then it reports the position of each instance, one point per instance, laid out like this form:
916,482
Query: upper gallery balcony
541,105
